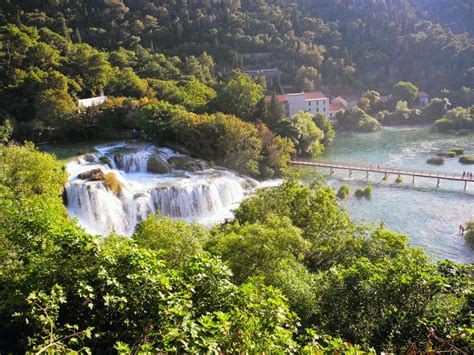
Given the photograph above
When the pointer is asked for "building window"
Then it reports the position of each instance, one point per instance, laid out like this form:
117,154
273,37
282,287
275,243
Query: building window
317,110
324,109
309,103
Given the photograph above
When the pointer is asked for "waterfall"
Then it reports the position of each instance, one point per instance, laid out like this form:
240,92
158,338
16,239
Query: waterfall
207,196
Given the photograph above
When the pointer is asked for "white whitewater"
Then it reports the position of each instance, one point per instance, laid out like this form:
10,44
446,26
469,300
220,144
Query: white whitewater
206,196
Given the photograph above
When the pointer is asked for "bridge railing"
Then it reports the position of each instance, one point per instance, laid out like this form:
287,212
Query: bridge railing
380,169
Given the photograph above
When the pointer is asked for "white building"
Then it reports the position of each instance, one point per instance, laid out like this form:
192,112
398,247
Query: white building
92,101
334,108
350,101
312,102
424,98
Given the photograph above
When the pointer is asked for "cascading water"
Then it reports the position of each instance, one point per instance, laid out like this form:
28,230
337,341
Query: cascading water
204,194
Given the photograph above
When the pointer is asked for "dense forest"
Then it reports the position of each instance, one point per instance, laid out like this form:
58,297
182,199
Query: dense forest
351,44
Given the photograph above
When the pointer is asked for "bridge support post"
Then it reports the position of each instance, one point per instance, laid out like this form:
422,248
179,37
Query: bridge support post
465,185
413,181
437,184
367,175
350,173
331,171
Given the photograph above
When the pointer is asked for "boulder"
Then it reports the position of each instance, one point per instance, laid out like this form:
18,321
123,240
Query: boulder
187,163
435,160
156,165
90,158
92,175
105,160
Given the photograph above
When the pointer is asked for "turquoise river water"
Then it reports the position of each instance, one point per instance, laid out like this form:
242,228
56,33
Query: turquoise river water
430,216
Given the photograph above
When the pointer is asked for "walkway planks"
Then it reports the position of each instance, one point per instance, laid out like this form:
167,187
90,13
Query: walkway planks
374,168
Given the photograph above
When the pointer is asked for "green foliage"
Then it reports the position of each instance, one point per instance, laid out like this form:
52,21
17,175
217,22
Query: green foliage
252,250
469,233
457,151
239,96
356,120
6,130
343,191
466,159
274,113
323,123
360,192
304,133
405,91
125,82
457,119
177,241
307,78
276,153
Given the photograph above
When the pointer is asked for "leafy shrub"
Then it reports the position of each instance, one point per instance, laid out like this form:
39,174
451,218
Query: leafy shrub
360,192
343,191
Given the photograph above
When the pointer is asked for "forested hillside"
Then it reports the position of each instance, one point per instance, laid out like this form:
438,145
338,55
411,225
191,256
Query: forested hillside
351,44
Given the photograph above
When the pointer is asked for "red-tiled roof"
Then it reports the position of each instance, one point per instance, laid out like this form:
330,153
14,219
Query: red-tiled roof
314,95
307,96
336,106
423,94
350,97
280,98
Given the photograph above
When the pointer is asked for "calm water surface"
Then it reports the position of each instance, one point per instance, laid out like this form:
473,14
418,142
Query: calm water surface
430,216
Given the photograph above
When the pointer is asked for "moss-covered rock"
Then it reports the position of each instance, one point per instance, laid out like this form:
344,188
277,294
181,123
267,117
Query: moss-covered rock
92,175
112,183
156,165
457,151
106,161
466,159
90,158
187,163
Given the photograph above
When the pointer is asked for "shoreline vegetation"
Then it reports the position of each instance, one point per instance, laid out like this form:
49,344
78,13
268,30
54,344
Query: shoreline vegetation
402,108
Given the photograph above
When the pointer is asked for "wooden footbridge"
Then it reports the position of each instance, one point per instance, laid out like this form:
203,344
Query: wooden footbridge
375,168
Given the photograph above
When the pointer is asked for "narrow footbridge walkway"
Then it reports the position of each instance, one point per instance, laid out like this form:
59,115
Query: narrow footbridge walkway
375,168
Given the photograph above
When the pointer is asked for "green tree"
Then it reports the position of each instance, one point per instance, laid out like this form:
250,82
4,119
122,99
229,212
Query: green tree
323,124
126,83
239,96
405,91
258,249
177,241
275,114
304,133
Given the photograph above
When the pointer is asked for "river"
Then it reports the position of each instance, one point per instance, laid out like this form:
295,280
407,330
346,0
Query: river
430,216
